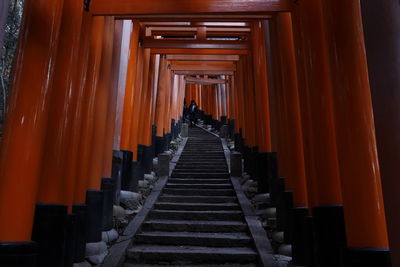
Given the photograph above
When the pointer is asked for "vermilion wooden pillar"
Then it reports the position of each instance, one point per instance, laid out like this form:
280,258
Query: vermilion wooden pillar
55,187
123,69
358,160
168,96
249,95
261,87
95,52
25,125
144,101
382,41
101,105
137,91
112,99
129,102
75,147
148,111
240,98
316,92
290,134
291,107
161,97
155,87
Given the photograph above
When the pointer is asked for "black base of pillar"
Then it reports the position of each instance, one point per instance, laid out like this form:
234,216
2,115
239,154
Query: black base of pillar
253,162
70,240
137,174
330,235
146,159
80,210
273,178
281,206
108,187
308,224
159,144
236,140
287,216
17,254
167,141
116,173
367,257
262,173
49,231
246,157
126,169
94,227
299,249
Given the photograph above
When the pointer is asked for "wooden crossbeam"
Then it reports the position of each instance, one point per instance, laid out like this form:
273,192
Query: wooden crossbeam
204,57
185,51
203,65
206,81
203,72
129,7
195,44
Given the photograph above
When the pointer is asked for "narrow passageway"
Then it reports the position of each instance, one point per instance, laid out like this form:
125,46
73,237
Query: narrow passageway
197,219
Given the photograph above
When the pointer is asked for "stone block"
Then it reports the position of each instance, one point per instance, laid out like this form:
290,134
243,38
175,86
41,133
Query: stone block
185,130
163,165
130,200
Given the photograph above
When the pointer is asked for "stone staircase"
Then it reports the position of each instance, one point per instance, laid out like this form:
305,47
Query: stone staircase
197,220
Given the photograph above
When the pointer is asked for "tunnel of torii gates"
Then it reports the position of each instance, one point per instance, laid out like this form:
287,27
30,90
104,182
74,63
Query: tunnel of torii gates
311,84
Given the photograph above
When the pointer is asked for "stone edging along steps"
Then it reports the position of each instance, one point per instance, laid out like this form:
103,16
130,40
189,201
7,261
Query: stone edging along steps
198,216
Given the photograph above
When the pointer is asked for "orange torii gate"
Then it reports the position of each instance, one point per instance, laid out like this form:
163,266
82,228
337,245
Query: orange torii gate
314,108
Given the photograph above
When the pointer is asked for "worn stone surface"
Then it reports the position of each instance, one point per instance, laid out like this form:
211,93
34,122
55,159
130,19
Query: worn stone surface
185,130
282,260
96,252
196,219
267,213
82,264
118,212
163,164
130,200
143,184
109,236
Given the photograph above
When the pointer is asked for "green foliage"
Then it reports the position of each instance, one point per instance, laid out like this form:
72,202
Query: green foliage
8,50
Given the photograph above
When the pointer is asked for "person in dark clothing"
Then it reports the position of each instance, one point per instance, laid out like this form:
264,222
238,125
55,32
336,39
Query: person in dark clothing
192,113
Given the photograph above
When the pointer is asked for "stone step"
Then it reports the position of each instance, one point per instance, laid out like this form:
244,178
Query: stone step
230,215
199,170
203,152
190,254
194,226
199,175
193,265
191,172
196,206
201,165
194,239
197,199
199,186
198,181
199,192
201,156
202,161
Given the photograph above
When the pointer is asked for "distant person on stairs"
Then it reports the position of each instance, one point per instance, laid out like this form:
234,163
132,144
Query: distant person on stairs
192,113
